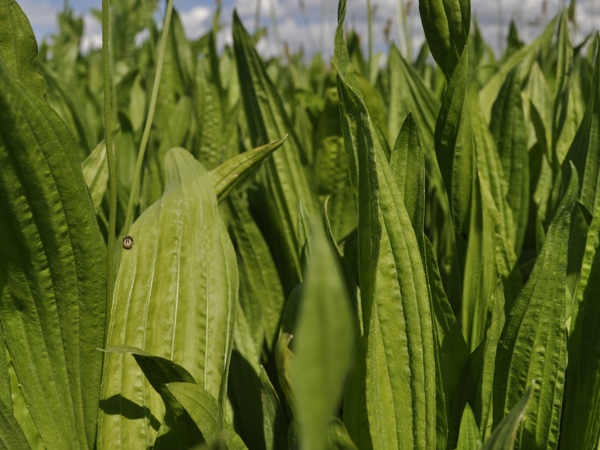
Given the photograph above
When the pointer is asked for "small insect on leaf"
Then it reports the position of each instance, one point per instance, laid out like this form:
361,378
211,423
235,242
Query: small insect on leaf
127,242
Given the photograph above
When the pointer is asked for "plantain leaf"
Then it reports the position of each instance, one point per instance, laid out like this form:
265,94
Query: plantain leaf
446,24
533,342
323,342
52,269
454,144
95,172
11,434
239,168
331,168
392,394
580,429
509,132
186,314
408,167
284,182
18,48
178,428
468,437
207,413
504,436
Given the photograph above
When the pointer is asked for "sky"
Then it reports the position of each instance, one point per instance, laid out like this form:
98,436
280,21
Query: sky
310,24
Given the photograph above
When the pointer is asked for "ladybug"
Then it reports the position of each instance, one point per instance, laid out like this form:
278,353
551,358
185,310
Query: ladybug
127,242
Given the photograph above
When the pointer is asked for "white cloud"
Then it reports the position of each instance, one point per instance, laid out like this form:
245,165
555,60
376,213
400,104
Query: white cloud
92,33
196,21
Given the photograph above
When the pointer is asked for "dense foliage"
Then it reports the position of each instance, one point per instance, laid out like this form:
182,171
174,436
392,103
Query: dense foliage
318,256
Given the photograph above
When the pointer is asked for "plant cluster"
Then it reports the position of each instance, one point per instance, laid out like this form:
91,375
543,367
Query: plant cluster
212,249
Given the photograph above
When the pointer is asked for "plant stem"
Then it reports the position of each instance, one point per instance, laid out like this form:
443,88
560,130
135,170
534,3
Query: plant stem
137,178
110,156
370,33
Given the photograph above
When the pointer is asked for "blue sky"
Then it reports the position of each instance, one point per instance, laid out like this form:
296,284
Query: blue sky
310,24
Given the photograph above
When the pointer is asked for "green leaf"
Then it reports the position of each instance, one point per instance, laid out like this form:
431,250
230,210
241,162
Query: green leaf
509,132
446,24
331,168
52,269
580,428
207,413
504,435
408,167
95,172
178,428
586,144
238,169
454,144
392,394
533,342
323,342
11,434
18,47
524,56
284,180
468,437
261,293
177,287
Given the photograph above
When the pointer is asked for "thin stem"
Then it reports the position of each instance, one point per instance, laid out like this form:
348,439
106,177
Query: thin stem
370,33
110,156
257,16
135,187
273,13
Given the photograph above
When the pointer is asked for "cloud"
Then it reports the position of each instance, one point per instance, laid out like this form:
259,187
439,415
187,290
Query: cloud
196,21
92,33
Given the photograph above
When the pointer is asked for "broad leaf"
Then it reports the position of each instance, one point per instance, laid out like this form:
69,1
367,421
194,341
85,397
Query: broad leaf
177,288
52,269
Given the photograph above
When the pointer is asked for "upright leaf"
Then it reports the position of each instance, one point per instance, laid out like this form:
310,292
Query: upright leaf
533,342
284,180
207,413
446,24
18,48
468,437
393,394
505,434
52,269
509,132
177,288
323,339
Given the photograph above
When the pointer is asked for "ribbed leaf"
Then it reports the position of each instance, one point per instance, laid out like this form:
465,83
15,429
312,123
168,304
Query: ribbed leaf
323,342
454,144
581,429
446,24
393,393
284,180
207,413
408,166
524,56
468,437
18,48
533,342
508,129
239,168
504,436
11,434
331,168
261,293
52,269
178,430
95,172
177,289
